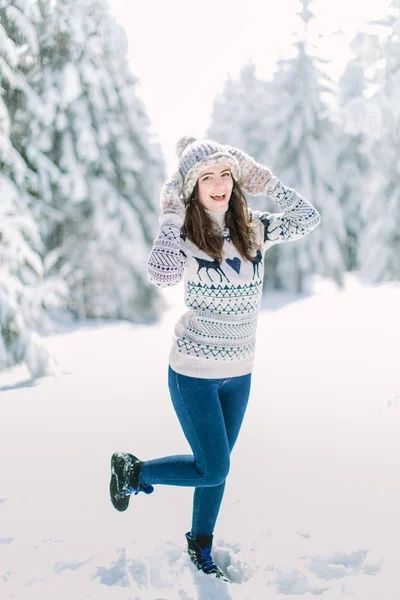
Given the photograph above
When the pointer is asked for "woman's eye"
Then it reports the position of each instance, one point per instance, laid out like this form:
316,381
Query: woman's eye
208,177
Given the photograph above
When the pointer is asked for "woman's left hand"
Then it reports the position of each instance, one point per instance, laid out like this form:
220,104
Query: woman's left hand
254,176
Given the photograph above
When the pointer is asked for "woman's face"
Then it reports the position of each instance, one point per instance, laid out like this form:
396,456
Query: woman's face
215,187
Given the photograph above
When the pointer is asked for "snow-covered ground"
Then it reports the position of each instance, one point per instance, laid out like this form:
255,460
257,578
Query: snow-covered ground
312,500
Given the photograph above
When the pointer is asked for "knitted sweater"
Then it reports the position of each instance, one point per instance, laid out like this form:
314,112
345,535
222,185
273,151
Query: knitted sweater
215,337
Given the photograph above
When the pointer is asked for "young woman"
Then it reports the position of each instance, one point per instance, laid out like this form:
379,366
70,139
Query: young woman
211,238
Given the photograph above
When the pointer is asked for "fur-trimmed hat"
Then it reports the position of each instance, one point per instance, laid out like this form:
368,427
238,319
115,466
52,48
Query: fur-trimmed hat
196,155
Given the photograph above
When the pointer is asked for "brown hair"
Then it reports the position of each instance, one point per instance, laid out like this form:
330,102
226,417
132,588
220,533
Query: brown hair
206,235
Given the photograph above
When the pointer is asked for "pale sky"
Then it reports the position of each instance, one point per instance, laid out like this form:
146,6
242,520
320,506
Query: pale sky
182,51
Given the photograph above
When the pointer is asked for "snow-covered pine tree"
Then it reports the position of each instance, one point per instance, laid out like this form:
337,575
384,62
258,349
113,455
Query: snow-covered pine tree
240,113
304,134
352,163
109,166
25,294
378,118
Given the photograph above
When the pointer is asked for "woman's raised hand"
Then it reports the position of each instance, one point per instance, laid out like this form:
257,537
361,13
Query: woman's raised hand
254,176
171,196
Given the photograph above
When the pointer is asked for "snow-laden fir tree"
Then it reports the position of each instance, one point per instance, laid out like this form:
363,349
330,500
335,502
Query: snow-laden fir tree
79,172
377,117
240,114
25,294
108,166
305,137
352,163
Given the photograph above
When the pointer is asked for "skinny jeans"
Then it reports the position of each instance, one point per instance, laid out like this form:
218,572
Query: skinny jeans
211,413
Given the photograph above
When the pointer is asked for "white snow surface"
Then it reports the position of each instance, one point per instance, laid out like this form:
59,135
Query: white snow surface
311,506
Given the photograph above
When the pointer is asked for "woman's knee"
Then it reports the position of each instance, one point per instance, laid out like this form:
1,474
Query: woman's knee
215,472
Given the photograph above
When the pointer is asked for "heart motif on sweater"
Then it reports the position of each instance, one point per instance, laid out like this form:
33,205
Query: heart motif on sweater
234,263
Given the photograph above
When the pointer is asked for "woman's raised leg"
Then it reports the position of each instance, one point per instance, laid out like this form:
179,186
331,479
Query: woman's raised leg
198,407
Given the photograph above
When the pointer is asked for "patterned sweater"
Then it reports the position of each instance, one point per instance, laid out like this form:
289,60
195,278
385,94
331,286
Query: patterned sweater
215,337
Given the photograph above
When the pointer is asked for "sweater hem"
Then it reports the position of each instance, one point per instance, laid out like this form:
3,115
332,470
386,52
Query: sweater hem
209,368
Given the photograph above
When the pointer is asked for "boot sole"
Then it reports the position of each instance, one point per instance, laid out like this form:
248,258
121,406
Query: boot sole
120,504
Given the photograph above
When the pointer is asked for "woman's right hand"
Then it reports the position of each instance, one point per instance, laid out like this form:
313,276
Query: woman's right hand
171,196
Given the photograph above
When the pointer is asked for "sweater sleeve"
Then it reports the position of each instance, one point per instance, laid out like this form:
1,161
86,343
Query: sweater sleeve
166,261
299,216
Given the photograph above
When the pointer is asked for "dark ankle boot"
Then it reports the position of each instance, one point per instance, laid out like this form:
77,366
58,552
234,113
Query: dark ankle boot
199,549
125,479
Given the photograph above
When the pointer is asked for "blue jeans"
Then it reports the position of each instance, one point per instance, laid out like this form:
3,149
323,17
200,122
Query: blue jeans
211,412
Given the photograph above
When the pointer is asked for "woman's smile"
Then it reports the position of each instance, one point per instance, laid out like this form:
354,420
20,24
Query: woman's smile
219,197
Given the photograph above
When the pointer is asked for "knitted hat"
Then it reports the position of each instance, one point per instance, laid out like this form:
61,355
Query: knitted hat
196,155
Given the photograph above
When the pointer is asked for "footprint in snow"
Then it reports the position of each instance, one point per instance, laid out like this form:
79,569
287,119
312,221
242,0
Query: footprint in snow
340,564
61,566
294,582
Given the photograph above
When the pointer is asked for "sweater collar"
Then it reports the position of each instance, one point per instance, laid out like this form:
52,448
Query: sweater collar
218,217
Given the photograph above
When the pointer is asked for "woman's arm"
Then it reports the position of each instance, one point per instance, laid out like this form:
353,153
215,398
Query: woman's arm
166,261
299,216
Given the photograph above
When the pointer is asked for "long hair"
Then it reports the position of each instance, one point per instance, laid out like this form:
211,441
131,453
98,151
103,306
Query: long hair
205,233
